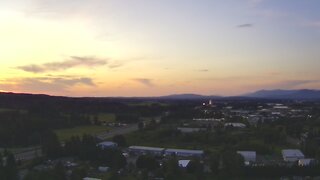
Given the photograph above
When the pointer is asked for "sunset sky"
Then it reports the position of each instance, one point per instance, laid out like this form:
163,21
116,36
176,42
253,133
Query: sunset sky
158,47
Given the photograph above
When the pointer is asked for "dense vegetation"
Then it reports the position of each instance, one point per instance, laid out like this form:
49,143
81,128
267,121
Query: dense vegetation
27,120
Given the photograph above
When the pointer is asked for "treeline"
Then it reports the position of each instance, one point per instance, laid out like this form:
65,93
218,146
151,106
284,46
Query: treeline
24,119
85,149
279,171
29,128
225,164
147,165
57,173
8,166
28,102
262,140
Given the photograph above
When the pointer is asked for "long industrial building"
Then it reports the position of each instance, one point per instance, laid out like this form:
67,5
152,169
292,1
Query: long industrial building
163,151
146,150
184,152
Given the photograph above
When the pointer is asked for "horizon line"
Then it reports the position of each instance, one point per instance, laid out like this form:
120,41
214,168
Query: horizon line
158,96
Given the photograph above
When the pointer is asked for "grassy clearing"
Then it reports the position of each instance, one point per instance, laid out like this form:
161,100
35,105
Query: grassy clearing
65,134
4,110
17,150
107,117
104,117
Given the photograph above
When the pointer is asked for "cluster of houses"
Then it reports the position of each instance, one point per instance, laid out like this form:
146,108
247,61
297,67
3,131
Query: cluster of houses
262,113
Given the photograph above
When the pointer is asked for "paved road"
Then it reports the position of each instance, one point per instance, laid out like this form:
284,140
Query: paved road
117,131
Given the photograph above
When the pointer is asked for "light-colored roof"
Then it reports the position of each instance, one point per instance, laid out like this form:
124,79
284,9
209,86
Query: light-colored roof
89,178
189,130
292,153
235,124
103,168
305,161
145,148
184,151
280,107
107,143
183,163
247,153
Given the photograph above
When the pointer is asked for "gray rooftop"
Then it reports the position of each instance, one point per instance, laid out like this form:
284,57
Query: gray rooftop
184,151
145,148
247,153
107,143
292,153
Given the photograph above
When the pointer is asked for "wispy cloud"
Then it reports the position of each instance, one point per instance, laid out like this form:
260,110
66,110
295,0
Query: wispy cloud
254,2
73,61
72,81
248,25
203,70
314,24
290,84
273,14
115,64
45,84
56,8
144,81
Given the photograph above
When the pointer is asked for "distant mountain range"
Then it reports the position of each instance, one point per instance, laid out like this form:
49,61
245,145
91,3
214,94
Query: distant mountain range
189,96
303,94
306,94
285,94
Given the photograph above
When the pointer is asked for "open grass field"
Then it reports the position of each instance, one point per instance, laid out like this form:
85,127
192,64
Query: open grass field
107,117
65,134
104,117
3,110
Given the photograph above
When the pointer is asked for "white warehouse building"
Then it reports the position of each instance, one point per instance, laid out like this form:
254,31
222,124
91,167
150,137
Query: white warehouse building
248,156
292,155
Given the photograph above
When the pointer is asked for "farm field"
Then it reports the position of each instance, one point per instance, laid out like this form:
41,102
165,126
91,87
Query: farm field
65,134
